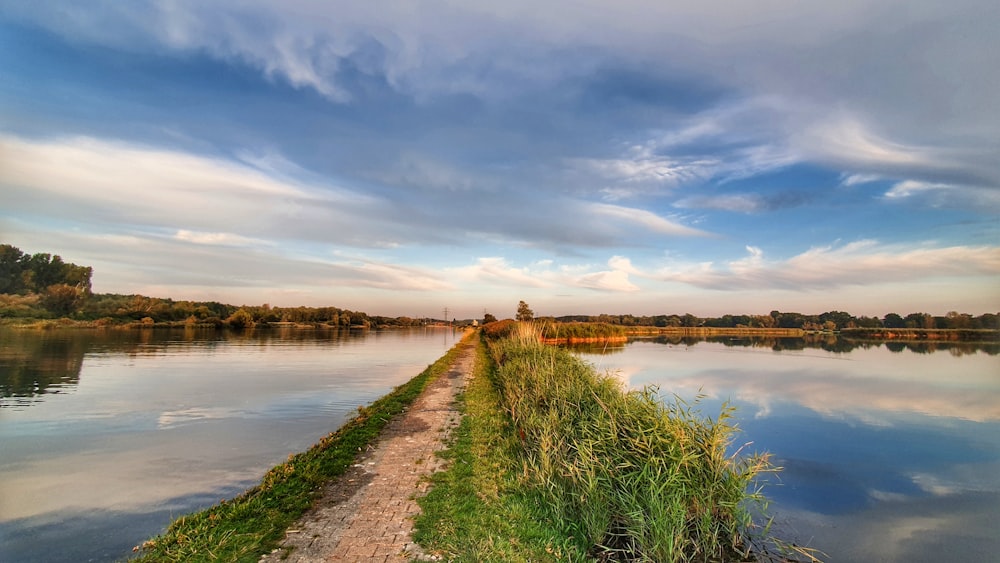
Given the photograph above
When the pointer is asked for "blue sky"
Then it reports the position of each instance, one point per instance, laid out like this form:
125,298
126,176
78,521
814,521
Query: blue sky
586,157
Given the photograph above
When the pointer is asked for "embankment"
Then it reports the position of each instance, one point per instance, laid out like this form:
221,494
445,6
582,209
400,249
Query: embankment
556,461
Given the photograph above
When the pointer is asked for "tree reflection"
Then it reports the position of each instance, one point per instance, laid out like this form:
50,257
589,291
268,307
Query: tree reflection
36,362
830,343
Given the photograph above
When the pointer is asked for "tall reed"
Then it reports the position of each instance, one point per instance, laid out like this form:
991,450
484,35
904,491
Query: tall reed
637,478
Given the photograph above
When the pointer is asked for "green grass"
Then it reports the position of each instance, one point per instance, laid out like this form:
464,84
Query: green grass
478,509
253,523
554,461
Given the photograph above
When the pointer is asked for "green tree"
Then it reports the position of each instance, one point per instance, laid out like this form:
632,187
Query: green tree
489,318
919,320
11,267
524,313
893,320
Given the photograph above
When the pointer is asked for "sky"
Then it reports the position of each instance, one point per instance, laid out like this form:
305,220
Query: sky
587,157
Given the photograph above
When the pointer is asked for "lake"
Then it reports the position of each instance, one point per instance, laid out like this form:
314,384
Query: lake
107,435
891,451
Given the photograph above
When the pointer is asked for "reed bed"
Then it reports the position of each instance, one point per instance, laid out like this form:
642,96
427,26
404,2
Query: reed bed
632,477
582,331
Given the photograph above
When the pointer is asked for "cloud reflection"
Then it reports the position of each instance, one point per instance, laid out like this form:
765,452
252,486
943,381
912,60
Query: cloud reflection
888,457
867,385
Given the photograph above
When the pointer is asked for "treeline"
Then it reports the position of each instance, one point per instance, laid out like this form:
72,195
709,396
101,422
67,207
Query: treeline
831,320
113,308
41,281
43,286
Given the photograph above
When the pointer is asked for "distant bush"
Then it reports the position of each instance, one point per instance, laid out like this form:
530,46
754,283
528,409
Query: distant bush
499,329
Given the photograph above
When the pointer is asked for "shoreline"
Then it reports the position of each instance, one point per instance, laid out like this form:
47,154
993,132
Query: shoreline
256,521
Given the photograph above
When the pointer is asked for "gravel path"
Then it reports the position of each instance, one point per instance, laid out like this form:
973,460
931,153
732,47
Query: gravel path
367,514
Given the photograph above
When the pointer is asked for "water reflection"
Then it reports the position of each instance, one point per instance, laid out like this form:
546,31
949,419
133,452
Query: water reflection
117,431
891,451
829,342
37,362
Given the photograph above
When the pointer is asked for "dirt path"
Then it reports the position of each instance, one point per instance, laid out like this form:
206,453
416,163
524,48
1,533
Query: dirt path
367,514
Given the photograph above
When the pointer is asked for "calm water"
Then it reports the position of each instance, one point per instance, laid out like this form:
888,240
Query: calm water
107,435
891,453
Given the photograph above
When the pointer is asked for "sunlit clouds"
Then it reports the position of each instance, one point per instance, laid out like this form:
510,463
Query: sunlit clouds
633,157
857,263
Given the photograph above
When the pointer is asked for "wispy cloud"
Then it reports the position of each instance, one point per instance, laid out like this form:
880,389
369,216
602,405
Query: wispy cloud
117,183
498,271
217,239
549,275
307,132
932,194
640,166
746,202
642,218
858,263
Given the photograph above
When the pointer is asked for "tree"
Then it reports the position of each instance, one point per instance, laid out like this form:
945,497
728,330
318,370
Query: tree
489,318
893,320
62,300
11,266
524,313
919,320
241,319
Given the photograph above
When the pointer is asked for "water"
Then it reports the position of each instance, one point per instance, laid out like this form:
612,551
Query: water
105,436
891,452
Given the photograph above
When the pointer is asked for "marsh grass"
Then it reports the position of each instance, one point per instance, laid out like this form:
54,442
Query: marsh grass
582,331
250,525
478,509
590,471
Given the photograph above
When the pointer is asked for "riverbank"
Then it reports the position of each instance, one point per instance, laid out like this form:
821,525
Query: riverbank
252,524
704,331
921,334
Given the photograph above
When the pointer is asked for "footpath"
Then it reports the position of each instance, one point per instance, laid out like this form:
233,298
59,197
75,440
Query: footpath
367,514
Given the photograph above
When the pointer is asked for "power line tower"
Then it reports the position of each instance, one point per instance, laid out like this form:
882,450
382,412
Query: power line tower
446,316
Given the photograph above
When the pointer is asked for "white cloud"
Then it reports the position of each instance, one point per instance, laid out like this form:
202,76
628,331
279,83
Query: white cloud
622,264
496,270
614,280
855,179
641,166
641,218
546,274
932,194
908,188
858,263
218,239
393,277
846,139
116,183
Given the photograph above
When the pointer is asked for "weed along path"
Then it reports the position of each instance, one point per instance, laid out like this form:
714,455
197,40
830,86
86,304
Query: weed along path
367,514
